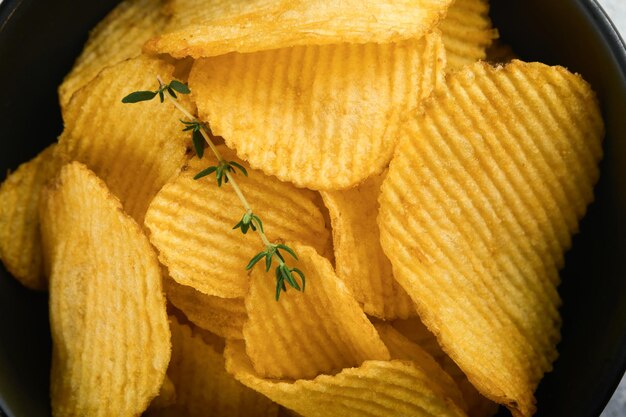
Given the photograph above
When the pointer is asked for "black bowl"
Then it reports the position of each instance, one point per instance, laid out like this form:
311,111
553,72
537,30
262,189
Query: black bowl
40,39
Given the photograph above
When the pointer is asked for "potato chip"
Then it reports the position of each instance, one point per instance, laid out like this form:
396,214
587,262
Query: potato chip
203,386
134,148
166,397
201,30
479,205
359,259
191,224
119,36
107,310
376,388
222,316
316,116
320,330
20,240
467,32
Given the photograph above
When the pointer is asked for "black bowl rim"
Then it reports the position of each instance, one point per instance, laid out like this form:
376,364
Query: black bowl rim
612,38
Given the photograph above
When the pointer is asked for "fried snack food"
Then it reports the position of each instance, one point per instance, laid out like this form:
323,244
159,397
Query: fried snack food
203,386
119,36
223,316
376,388
201,30
134,149
359,259
320,330
20,240
108,321
166,397
467,32
481,200
321,117
188,216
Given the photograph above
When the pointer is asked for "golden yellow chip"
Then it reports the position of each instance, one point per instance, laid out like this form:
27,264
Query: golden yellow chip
316,116
321,330
117,37
201,30
376,389
20,240
222,316
191,224
110,335
134,148
203,387
359,259
479,205
467,32
166,397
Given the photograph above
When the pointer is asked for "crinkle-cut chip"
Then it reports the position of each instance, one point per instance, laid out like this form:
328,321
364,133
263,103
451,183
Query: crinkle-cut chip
467,32
110,334
222,316
317,115
260,25
20,239
119,36
500,53
320,330
134,148
359,259
203,386
414,330
191,224
482,197
376,389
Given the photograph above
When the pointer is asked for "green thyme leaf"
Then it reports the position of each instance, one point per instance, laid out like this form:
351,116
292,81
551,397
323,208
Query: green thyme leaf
198,143
138,96
205,172
180,87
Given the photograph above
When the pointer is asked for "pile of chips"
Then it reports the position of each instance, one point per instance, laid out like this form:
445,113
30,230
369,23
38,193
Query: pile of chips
430,197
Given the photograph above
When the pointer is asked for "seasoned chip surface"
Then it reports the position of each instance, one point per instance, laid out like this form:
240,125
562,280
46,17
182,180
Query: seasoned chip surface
479,205
376,388
20,240
191,224
134,148
107,310
199,29
321,330
359,259
117,37
317,116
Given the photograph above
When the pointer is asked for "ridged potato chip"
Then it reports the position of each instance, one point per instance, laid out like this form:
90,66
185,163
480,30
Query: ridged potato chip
359,259
119,36
223,316
134,148
376,388
191,224
20,239
201,30
203,386
479,205
110,335
317,115
467,32
320,330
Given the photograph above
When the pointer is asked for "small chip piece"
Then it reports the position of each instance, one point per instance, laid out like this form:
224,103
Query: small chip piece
482,197
317,116
359,259
319,330
203,386
20,239
222,316
201,30
134,148
376,389
191,224
110,335
119,36
467,32
166,397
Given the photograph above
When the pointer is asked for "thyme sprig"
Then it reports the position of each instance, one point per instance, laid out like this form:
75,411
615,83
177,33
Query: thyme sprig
224,174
